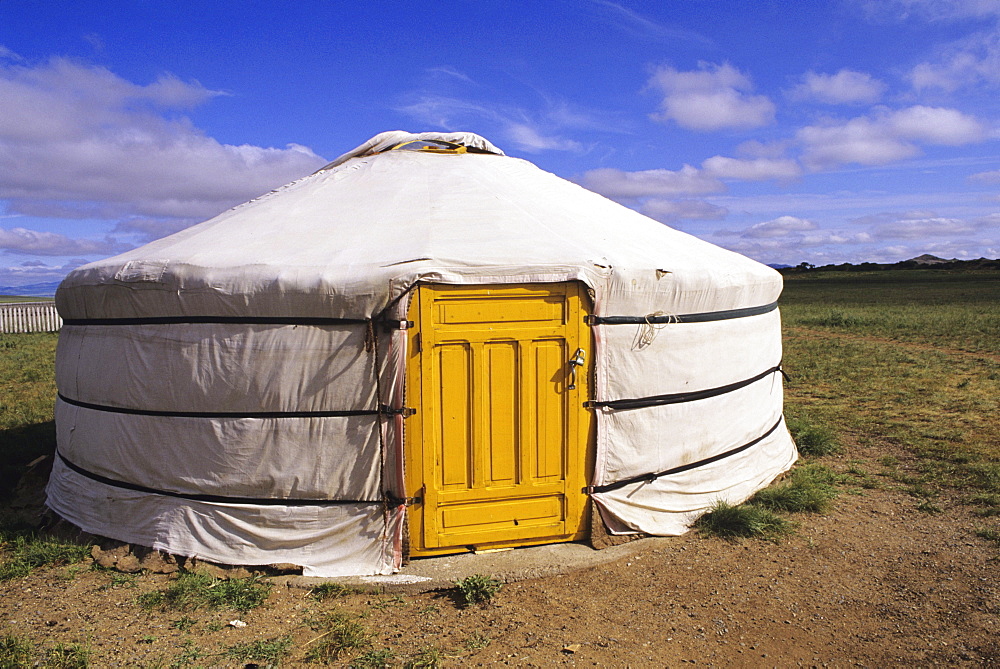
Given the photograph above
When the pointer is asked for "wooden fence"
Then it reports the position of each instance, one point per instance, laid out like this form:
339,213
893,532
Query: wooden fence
29,317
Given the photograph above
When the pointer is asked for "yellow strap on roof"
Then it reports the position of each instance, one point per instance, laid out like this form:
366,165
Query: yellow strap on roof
446,147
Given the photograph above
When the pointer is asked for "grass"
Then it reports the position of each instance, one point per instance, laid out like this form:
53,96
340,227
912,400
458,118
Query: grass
67,656
812,438
267,651
27,401
955,309
809,488
743,521
195,591
905,362
15,651
478,589
374,659
330,590
426,658
22,552
342,635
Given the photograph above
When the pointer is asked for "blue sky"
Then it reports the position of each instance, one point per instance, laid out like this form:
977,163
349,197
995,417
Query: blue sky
810,131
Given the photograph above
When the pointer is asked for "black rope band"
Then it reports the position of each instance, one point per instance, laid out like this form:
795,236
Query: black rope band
234,320
218,499
384,410
703,317
649,478
677,398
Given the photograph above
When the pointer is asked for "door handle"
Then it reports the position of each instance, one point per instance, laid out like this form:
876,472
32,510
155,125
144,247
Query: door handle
578,360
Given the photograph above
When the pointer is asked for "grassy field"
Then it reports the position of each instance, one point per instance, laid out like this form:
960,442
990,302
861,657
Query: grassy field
27,398
18,298
907,362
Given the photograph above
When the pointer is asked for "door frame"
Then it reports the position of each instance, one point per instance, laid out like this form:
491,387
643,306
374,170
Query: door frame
580,459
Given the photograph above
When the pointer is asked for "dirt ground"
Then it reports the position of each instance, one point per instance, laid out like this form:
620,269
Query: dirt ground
873,583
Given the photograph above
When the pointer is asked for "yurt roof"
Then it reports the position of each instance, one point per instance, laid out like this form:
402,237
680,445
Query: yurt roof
365,227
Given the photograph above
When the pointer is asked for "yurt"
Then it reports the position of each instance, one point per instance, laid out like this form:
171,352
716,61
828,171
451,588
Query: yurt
423,348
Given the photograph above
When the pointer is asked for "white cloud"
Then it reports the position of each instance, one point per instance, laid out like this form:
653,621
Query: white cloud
924,227
714,97
936,125
971,61
81,136
885,136
7,54
651,183
844,87
757,169
932,10
31,271
667,211
778,227
33,242
992,177
859,140
641,26
530,139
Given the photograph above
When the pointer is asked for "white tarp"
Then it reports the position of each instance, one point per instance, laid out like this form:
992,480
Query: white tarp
348,243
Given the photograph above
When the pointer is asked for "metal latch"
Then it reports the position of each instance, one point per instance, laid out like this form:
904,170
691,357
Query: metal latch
578,360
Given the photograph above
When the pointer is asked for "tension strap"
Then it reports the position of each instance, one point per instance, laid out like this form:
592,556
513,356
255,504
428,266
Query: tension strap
702,317
677,398
218,499
233,320
405,412
649,478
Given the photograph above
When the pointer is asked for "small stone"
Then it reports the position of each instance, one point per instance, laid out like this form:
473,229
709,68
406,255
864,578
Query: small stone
572,648
237,623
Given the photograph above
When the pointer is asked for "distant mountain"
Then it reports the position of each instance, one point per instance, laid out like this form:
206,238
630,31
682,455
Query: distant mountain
778,266
928,259
47,289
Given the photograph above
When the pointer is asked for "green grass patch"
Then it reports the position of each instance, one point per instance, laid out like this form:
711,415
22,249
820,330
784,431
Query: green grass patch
989,533
811,438
22,552
426,658
807,488
342,635
915,372
944,308
195,591
478,588
15,651
267,651
743,521
67,656
374,659
27,402
330,590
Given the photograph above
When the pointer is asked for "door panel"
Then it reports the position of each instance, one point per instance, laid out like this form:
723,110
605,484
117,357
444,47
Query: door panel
498,447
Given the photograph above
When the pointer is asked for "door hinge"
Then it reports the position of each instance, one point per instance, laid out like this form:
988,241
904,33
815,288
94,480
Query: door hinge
392,500
405,412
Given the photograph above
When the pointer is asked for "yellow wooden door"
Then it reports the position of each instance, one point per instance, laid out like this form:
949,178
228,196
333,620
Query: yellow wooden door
497,450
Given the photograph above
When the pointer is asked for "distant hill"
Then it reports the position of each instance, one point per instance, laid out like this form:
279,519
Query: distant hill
925,261
47,289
